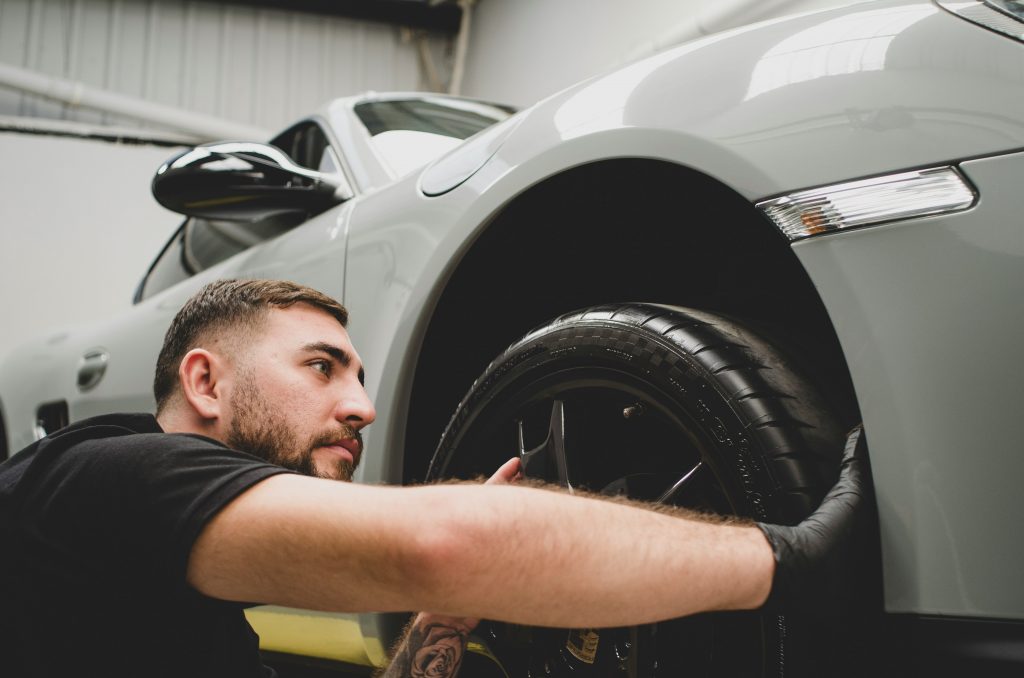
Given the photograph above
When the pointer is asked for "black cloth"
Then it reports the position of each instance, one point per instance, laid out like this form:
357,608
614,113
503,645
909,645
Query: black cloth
96,525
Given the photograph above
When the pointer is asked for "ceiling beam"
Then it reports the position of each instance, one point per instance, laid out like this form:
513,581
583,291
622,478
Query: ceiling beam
436,16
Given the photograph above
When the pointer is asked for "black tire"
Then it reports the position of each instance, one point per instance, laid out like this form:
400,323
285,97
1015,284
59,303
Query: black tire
649,398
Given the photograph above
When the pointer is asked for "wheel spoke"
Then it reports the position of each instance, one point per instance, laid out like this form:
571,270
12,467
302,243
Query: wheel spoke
677,487
552,450
529,460
556,438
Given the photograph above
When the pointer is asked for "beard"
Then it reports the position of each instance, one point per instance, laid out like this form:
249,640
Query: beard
258,429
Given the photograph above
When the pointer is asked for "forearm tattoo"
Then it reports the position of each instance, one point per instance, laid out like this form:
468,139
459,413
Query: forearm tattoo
431,649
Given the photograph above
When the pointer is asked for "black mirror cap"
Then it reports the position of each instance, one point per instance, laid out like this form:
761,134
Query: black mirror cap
241,181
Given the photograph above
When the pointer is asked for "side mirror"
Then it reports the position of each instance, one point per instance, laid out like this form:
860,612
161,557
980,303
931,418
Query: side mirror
243,181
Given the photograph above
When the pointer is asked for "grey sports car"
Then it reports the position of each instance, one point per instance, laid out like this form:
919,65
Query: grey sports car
682,281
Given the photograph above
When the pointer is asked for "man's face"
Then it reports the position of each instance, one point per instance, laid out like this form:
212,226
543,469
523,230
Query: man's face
297,397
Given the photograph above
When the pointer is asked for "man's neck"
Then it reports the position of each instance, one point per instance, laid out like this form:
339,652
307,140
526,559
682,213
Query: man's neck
173,420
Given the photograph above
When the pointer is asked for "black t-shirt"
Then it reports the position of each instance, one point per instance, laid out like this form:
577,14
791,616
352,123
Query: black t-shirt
96,525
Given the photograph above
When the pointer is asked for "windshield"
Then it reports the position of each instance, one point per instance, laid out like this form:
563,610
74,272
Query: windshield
409,133
1011,7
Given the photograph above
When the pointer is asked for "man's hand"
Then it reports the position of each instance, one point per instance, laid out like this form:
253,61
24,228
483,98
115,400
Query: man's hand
509,472
816,563
433,645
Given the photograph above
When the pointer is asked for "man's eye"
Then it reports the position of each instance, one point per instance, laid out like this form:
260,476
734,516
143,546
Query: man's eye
322,366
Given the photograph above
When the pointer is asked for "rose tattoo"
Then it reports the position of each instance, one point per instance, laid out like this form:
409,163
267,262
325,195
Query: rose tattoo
433,648
441,653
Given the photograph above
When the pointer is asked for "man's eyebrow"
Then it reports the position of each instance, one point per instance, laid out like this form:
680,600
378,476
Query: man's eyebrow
338,354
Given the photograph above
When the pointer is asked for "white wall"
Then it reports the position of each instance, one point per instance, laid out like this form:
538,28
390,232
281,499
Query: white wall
78,228
523,50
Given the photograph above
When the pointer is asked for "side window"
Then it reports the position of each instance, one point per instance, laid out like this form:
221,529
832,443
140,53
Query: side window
208,241
306,144
202,243
168,269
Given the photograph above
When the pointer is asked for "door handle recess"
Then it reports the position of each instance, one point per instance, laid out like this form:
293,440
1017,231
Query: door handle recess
92,369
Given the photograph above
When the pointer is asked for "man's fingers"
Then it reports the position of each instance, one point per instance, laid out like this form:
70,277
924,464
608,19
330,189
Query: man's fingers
508,473
816,562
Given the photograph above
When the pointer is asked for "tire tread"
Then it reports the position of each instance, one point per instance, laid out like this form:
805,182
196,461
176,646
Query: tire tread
783,413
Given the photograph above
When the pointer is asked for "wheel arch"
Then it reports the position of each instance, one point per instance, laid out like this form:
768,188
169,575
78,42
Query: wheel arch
5,450
614,230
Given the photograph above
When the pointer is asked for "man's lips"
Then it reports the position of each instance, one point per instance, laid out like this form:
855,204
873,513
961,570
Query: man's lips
348,448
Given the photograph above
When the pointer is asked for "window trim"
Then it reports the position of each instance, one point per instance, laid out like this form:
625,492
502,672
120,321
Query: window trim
343,164
137,297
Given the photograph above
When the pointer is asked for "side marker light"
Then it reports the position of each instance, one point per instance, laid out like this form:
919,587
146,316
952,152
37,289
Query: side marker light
870,201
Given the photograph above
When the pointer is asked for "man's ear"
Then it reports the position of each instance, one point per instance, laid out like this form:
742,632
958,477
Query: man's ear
200,373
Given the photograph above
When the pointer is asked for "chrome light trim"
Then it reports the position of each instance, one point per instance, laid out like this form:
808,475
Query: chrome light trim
978,12
867,202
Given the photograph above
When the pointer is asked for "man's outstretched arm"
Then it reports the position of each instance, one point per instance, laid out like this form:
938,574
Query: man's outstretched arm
512,553
518,554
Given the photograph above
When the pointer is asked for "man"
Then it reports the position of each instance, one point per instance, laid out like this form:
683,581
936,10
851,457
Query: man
133,543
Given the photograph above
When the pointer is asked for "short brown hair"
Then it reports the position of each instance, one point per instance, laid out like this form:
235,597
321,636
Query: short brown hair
228,305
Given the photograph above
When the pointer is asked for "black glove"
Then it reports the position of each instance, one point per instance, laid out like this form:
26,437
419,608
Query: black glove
819,562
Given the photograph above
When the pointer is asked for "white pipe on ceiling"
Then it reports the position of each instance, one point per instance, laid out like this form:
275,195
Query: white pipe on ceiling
77,94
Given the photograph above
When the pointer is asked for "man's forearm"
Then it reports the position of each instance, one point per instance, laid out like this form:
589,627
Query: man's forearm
537,557
522,555
431,646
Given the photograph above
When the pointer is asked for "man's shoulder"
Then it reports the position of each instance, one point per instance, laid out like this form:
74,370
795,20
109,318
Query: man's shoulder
105,425
121,451
114,433
127,440
107,428
62,445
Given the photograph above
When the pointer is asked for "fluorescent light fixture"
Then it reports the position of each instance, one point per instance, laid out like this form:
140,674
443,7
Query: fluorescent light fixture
870,201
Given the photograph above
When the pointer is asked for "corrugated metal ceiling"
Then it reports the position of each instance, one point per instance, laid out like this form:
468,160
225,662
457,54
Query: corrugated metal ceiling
256,65
437,16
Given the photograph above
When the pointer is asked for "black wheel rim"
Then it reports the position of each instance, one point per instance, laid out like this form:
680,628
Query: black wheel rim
604,430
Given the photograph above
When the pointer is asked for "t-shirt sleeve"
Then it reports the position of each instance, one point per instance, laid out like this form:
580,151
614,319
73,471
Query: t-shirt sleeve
152,494
189,486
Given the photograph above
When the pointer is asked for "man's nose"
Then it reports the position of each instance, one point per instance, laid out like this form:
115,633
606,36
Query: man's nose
355,407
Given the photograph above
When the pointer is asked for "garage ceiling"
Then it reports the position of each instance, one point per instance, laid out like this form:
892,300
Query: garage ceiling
435,15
